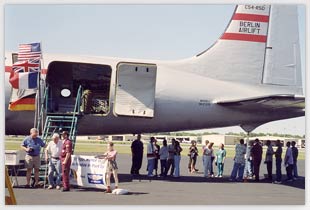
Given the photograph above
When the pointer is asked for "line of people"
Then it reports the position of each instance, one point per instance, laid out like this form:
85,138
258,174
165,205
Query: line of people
247,159
168,155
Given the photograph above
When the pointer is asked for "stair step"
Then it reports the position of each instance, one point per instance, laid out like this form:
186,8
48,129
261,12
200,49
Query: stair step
56,126
67,114
61,120
62,116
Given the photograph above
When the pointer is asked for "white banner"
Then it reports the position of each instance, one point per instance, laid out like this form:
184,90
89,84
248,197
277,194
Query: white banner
88,171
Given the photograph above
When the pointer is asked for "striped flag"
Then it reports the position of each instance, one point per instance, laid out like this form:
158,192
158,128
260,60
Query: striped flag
24,80
24,74
24,77
29,51
22,100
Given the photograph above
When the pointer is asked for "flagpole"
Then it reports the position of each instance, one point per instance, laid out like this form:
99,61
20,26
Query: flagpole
43,83
38,111
35,113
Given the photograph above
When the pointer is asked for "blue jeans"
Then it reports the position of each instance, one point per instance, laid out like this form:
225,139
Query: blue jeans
54,166
170,163
289,171
150,166
295,172
211,165
206,164
177,159
248,168
220,169
237,169
163,167
278,170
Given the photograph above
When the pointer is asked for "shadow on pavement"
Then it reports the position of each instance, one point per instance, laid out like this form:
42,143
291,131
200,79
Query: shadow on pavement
300,183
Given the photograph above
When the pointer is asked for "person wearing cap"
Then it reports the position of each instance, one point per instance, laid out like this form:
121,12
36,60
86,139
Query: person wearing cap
65,158
54,167
32,145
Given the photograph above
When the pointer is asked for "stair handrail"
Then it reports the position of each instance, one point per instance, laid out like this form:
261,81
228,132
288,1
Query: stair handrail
76,109
44,101
78,100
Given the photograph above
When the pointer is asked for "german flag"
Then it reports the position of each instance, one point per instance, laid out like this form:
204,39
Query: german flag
22,100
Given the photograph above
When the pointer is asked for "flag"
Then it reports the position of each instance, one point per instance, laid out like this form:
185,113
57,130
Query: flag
24,80
22,99
24,74
29,51
32,64
24,77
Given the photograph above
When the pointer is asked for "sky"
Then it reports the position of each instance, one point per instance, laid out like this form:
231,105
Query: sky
164,32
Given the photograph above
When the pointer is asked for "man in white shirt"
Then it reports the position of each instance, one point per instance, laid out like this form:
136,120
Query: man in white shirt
54,149
150,157
289,162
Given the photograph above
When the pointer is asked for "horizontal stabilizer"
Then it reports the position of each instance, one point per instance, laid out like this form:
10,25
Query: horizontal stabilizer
291,102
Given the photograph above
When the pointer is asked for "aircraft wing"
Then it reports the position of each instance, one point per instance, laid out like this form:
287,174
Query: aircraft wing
275,102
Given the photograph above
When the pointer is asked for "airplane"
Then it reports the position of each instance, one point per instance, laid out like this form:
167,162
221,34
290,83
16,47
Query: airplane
250,76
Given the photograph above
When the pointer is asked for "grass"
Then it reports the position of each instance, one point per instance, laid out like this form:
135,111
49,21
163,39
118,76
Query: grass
84,147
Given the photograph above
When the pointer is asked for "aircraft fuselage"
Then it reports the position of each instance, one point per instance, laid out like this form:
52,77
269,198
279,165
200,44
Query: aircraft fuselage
183,101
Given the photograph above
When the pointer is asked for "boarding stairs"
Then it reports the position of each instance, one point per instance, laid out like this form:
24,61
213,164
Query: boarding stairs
56,123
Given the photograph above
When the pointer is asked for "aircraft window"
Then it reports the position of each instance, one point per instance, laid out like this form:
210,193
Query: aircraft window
65,92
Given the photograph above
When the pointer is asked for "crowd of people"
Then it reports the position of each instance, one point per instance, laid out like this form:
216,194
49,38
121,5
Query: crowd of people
248,159
58,156
246,162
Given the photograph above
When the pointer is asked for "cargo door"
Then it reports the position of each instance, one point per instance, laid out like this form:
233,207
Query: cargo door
135,89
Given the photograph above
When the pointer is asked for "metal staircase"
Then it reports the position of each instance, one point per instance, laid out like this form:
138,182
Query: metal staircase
56,123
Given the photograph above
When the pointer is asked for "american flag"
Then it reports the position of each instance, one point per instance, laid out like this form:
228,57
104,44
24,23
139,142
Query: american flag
29,51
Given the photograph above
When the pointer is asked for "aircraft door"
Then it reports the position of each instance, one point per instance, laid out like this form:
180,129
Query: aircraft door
64,79
135,89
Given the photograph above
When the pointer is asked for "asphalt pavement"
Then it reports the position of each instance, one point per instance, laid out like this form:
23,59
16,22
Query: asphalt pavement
189,189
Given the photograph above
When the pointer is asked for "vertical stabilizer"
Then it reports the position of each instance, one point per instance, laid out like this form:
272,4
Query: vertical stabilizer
259,46
240,52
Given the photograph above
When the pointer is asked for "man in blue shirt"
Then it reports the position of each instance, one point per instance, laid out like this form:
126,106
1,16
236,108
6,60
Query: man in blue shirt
32,145
239,162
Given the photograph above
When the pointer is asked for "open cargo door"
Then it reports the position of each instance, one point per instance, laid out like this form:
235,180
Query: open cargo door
135,89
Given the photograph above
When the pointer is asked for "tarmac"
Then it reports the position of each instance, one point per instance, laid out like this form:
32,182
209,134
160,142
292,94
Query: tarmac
189,189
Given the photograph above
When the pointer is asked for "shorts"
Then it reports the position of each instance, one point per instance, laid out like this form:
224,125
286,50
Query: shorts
32,161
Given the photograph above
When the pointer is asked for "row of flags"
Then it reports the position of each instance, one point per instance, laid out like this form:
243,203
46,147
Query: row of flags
24,77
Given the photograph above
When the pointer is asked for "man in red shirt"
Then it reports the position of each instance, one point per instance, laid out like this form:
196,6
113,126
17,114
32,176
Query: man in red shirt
66,160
